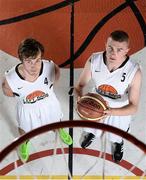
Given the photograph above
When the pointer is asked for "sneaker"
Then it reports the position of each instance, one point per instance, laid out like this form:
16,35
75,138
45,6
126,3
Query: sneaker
86,139
117,151
24,152
65,137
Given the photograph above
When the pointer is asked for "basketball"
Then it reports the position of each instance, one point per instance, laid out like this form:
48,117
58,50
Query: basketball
91,106
99,18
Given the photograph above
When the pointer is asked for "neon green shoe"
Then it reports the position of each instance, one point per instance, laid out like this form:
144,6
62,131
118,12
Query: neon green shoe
24,151
65,137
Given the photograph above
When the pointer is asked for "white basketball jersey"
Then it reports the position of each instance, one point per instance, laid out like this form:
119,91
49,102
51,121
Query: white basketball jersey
114,87
118,80
36,101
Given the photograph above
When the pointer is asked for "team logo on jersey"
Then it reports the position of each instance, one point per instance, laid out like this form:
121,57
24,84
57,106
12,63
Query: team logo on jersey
35,96
46,81
108,90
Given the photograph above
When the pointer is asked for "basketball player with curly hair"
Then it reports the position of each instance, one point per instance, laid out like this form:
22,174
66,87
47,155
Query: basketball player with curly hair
118,80
31,83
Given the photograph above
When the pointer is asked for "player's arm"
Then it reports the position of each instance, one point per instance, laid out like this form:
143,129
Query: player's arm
6,89
134,96
135,91
83,79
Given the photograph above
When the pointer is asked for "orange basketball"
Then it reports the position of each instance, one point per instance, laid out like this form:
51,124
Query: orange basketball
49,22
91,107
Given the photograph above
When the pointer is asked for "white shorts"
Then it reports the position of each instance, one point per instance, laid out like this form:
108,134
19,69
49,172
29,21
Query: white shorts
121,122
42,112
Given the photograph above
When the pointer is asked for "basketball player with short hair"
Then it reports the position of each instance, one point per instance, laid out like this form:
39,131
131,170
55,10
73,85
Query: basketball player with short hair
31,83
118,80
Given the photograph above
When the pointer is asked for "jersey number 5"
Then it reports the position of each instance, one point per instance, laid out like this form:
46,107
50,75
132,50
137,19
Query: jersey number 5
123,77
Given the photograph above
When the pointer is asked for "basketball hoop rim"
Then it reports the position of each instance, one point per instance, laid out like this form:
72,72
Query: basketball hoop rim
71,124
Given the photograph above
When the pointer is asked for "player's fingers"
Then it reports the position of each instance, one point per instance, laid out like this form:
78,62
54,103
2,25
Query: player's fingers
107,112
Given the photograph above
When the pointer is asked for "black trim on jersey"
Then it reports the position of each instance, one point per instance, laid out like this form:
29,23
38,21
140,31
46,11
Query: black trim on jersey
104,60
16,69
15,94
41,71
